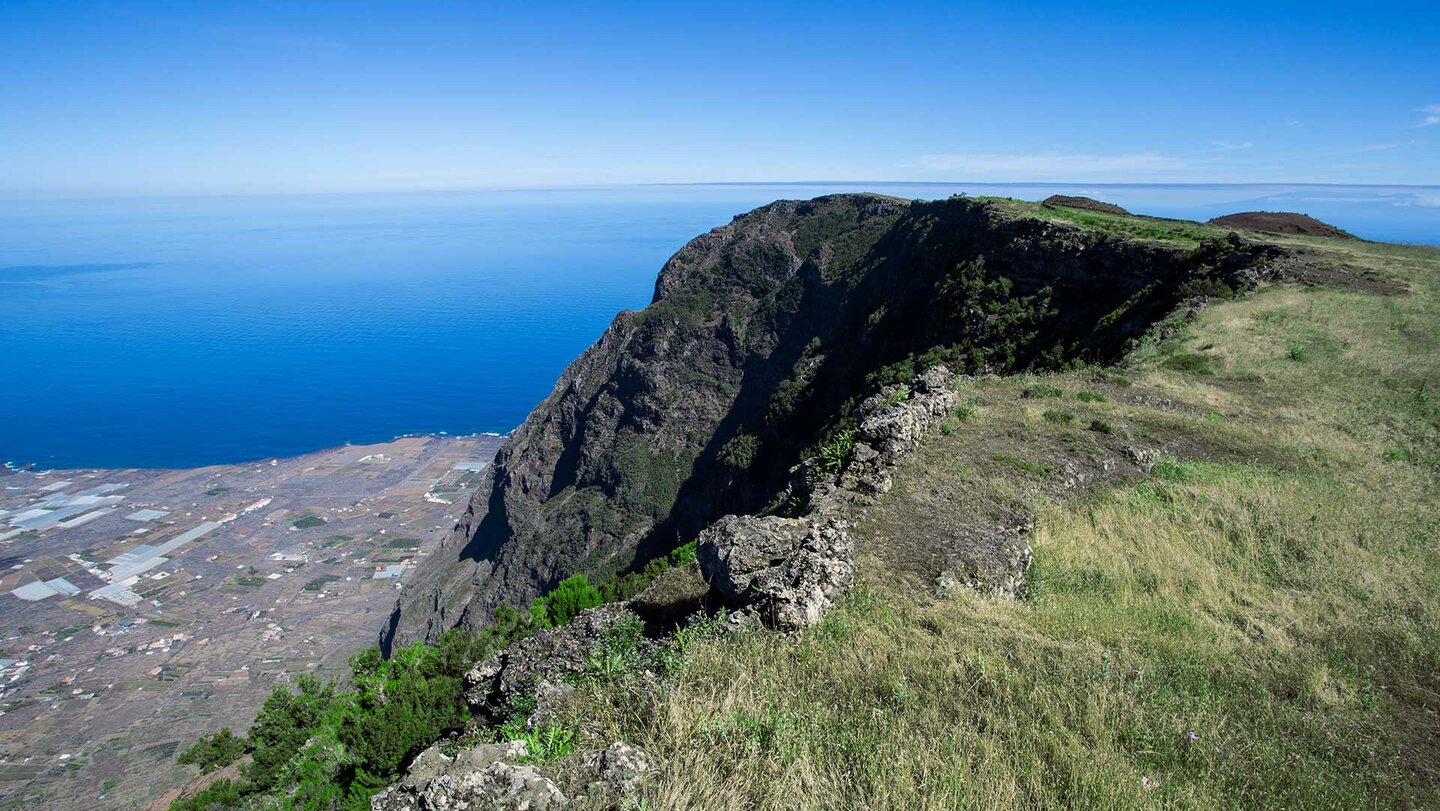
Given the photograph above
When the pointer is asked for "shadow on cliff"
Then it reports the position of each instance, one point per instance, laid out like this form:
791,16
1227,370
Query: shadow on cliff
946,283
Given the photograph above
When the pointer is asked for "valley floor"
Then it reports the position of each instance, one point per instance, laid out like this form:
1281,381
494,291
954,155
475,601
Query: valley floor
295,565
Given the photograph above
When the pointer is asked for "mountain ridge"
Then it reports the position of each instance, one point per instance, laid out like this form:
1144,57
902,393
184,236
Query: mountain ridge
762,334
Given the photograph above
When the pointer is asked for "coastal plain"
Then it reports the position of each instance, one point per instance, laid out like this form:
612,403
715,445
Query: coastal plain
143,607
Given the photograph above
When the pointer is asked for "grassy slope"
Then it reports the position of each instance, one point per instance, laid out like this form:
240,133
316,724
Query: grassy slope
1257,624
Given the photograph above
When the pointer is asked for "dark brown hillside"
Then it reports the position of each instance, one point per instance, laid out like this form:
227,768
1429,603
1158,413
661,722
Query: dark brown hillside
1087,203
1281,222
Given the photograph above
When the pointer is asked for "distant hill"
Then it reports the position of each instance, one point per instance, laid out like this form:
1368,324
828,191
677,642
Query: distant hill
1088,203
1281,222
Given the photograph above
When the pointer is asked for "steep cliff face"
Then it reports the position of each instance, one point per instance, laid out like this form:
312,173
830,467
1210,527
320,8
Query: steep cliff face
762,337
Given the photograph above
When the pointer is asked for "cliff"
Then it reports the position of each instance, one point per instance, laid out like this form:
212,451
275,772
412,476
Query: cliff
762,338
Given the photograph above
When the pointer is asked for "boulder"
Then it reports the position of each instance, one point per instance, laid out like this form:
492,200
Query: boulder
520,669
487,777
618,771
783,572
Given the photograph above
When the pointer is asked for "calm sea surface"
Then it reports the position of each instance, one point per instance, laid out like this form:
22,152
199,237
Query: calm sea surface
180,332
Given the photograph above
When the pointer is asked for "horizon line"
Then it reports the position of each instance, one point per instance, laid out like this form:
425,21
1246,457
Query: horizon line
41,195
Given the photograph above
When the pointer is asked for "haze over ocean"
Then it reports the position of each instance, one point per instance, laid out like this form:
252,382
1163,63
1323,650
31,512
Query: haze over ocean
174,332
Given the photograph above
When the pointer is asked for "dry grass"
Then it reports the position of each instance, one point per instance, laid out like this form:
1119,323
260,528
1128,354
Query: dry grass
1255,625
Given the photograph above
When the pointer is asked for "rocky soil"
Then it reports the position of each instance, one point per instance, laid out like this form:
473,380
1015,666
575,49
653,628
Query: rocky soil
1088,203
1280,222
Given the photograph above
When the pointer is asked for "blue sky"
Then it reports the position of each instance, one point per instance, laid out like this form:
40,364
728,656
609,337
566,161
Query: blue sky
214,97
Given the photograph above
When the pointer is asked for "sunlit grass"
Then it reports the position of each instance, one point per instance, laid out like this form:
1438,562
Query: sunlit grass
1252,625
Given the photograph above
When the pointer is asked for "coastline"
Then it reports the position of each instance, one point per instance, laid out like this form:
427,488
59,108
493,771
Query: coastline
33,467
157,599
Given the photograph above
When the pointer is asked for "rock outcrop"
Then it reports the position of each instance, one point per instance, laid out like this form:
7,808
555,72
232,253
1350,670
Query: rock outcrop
488,777
493,777
785,572
539,666
893,422
762,333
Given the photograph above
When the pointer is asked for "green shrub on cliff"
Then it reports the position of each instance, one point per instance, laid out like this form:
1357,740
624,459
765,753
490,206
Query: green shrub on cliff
214,751
320,746
565,602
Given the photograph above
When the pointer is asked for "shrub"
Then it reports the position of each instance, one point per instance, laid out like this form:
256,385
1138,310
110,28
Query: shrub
573,595
739,453
1102,426
1089,397
1060,416
214,751
222,795
284,723
835,451
1033,468
1190,363
1041,391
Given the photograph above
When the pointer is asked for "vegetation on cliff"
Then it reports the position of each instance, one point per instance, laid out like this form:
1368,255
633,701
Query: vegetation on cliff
326,746
764,336
1227,479
1251,625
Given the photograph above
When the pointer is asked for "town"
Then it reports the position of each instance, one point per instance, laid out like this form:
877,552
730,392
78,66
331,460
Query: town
144,607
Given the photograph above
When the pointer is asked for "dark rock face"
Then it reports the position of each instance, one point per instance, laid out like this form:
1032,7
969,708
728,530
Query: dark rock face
594,475
1088,203
763,337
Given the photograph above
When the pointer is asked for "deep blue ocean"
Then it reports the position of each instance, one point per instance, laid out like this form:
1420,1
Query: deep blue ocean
179,332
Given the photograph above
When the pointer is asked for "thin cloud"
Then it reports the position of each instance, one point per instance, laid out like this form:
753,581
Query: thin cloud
1359,150
1232,145
1050,166
1432,115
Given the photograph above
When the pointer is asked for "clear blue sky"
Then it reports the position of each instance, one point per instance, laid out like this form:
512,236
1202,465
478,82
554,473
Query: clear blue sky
143,97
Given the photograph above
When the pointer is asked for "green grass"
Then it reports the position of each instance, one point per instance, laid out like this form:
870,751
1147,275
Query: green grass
320,582
1150,229
1190,363
1252,625
1042,391
307,521
1036,469
1058,416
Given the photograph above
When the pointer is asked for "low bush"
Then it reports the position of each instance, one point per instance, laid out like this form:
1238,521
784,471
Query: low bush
1040,391
214,751
320,746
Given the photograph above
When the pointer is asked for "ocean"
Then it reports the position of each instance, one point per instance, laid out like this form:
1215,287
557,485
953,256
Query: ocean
177,332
